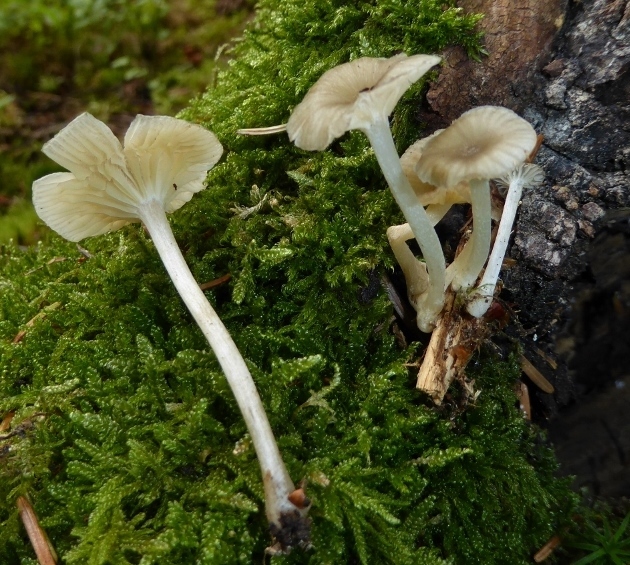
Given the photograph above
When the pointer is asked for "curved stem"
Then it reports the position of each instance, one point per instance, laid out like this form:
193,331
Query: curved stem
415,271
464,270
484,293
278,484
432,302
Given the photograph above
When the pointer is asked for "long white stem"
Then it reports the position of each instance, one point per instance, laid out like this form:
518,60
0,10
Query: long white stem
432,301
278,484
484,293
464,270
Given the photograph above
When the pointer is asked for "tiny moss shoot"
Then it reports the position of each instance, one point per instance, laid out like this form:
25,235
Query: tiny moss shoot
125,436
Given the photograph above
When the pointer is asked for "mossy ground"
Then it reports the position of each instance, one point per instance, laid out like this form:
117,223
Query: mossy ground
125,435
113,58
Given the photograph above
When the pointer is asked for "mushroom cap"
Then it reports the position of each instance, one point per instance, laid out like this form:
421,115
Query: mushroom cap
484,143
352,96
164,159
528,174
427,193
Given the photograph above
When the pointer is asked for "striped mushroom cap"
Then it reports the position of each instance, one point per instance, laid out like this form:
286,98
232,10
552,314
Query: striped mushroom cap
352,96
484,143
163,159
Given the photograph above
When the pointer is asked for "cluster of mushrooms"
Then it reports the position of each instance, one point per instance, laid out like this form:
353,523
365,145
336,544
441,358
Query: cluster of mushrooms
164,161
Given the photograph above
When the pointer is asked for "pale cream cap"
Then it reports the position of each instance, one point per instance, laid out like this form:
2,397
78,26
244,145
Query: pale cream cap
484,143
429,194
352,96
164,158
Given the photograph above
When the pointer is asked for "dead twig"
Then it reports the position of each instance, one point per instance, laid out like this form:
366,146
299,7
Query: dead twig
522,393
6,422
216,282
46,555
40,316
551,362
535,375
547,549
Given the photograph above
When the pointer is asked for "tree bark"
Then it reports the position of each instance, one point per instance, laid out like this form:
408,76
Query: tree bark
564,65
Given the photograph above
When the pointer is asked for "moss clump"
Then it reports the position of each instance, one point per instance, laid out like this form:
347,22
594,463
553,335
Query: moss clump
125,435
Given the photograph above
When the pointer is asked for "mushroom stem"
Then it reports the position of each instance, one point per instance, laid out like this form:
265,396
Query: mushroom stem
262,131
464,270
526,175
431,302
437,211
277,482
484,293
415,271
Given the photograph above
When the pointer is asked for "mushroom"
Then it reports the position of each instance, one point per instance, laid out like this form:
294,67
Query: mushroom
484,143
525,176
438,202
361,95
163,163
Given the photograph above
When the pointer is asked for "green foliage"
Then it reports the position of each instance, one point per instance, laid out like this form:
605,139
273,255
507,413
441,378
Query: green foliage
77,40
125,434
19,223
606,543
110,57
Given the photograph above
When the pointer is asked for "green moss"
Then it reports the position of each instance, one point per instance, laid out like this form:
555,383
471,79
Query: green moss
128,440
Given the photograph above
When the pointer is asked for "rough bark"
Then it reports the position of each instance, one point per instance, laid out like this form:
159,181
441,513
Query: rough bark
564,66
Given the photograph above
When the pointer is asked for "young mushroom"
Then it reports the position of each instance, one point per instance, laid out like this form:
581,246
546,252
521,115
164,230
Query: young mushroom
361,95
164,161
525,176
484,143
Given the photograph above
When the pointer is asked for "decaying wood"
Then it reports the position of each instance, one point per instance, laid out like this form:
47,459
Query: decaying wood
518,43
453,341
41,544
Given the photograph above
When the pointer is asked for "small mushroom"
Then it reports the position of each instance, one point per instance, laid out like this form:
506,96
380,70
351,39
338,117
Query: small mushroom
361,95
164,161
525,176
484,143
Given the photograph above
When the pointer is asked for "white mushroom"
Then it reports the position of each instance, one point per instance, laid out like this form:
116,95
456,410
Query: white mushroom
484,143
361,95
164,161
526,176
438,202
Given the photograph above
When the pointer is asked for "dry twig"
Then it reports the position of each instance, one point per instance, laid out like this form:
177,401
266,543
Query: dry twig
41,544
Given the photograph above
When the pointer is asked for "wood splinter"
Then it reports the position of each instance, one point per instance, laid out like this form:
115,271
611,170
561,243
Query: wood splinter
453,341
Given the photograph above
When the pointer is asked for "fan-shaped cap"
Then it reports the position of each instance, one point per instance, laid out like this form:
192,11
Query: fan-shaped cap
484,143
352,96
164,159
427,193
